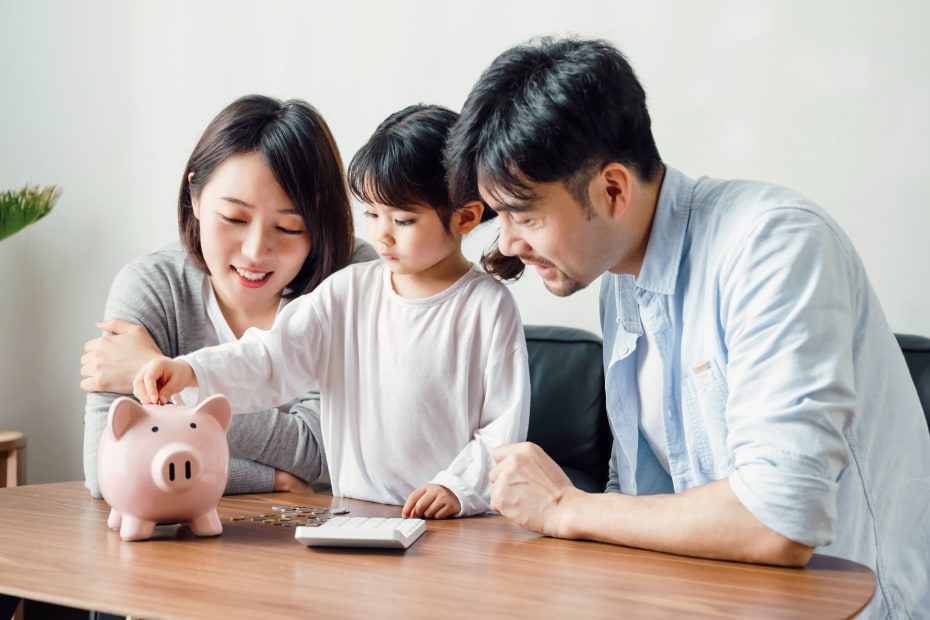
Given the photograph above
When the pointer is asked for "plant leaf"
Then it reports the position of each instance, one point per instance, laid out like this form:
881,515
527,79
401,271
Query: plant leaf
20,208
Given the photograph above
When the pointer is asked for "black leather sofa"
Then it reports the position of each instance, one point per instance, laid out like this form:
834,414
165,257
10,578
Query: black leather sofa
568,411
917,355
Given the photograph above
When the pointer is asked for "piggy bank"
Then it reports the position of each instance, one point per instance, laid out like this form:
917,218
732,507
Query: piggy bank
164,464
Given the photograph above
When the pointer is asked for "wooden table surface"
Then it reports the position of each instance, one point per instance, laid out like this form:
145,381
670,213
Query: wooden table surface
55,547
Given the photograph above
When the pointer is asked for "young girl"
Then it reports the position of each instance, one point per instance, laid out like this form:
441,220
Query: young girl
420,357
264,217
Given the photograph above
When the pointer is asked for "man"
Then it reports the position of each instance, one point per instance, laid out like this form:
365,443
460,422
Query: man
760,405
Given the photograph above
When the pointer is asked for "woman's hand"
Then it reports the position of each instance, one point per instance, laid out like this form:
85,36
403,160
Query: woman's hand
110,363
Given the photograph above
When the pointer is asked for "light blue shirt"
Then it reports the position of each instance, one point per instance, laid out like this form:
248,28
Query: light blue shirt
780,373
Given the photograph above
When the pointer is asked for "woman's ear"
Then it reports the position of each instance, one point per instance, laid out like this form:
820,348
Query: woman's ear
195,202
467,217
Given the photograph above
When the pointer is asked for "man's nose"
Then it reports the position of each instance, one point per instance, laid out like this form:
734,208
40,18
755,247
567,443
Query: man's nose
508,241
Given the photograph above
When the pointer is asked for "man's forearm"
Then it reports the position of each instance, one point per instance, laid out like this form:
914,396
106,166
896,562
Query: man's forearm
707,521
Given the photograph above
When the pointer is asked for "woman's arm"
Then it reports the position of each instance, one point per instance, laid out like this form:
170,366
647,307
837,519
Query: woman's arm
111,361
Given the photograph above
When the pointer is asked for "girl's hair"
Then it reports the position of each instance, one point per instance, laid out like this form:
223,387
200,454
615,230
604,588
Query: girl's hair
401,165
297,146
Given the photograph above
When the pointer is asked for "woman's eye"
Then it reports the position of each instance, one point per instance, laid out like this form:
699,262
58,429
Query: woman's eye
231,220
290,231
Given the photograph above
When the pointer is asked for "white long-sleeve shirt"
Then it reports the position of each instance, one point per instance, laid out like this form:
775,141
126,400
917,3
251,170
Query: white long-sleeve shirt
412,390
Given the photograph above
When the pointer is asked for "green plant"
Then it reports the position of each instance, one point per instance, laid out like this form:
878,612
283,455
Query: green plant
20,208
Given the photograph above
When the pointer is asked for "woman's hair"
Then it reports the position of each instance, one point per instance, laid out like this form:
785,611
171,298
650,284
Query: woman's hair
401,165
298,148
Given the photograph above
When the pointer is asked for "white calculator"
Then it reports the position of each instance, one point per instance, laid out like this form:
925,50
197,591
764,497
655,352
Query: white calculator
389,532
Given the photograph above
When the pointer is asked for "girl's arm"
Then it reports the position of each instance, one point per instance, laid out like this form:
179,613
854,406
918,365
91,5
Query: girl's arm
504,415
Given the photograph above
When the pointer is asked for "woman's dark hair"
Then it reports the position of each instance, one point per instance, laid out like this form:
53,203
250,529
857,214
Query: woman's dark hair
296,144
401,165
551,110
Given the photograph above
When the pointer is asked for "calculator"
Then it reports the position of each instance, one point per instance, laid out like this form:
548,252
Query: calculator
384,532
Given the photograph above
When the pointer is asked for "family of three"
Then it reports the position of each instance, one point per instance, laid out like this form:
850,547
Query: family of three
760,407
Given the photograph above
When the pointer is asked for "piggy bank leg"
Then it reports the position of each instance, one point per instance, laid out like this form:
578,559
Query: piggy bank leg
207,524
114,520
134,528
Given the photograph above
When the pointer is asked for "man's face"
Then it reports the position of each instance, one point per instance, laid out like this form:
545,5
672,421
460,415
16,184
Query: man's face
561,237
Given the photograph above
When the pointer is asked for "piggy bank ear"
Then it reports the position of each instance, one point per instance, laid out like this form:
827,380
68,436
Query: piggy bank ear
124,413
217,407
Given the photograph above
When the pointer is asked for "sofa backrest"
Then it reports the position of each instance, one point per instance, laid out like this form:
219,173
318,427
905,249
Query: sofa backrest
568,411
917,355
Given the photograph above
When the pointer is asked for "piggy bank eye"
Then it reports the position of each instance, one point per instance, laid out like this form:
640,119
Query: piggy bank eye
154,429
193,425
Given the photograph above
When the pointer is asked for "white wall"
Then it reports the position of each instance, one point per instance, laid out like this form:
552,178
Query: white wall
106,98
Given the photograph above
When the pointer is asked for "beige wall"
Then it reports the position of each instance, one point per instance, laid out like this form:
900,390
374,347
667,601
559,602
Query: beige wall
106,99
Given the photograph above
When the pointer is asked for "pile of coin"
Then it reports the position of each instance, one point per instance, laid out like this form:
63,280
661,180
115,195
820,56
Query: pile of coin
292,516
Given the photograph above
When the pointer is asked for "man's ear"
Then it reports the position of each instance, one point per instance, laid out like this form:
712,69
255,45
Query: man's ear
614,185
467,217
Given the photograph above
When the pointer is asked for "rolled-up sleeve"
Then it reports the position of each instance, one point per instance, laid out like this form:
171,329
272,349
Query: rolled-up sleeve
788,298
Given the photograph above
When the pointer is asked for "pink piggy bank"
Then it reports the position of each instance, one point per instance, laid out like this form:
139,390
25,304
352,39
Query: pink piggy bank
164,464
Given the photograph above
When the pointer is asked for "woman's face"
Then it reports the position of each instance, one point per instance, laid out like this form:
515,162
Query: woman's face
253,239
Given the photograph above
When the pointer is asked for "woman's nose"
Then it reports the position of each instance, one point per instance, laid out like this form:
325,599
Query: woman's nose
257,243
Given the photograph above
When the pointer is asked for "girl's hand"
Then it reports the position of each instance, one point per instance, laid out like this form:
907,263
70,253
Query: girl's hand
110,363
432,501
161,379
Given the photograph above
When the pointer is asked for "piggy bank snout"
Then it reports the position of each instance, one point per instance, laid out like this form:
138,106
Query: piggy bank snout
176,468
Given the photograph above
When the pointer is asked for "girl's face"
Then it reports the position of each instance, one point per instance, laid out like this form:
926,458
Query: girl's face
253,239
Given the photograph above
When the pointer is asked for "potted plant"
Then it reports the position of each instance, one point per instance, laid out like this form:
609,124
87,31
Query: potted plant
19,208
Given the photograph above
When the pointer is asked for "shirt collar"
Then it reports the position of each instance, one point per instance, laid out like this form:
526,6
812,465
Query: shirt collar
659,272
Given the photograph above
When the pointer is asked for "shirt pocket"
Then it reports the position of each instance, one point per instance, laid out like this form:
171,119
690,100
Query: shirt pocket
704,407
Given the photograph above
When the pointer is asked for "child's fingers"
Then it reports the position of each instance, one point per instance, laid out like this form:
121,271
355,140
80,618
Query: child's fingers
432,510
412,499
145,385
170,384
150,386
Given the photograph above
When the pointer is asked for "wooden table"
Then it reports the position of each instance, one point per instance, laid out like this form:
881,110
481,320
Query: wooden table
55,547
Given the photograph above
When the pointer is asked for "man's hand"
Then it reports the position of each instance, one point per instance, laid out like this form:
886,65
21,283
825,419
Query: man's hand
531,489
110,363
432,501
161,379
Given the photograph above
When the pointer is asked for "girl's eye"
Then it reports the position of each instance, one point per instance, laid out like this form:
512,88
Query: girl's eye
369,214
404,222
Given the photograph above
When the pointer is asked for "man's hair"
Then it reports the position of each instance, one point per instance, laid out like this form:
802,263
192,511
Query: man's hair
401,165
550,110
298,148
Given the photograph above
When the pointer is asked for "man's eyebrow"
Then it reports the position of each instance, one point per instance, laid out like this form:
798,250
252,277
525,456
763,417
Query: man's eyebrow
515,206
